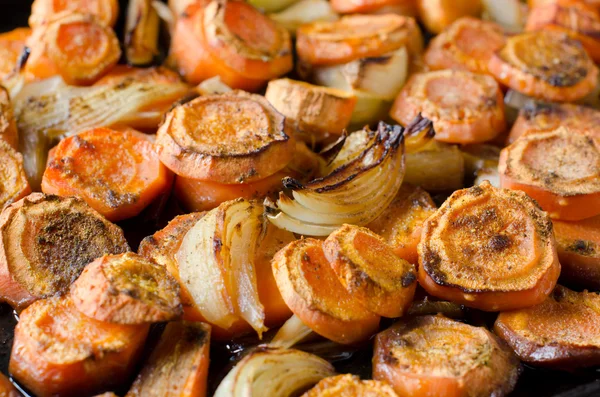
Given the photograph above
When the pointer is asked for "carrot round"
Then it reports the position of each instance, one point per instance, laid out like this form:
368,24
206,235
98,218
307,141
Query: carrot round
467,44
127,289
401,223
559,69
57,350
560,333
232,40
356,36
400,7
46,241
350,385
11,48
8,124
559,168
464,107
370,270
118,173
313,292
6,388
438,14
435,356
488,248
229,138
106,11
12,176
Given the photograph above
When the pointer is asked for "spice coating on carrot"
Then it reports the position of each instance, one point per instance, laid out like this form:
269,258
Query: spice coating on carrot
13,181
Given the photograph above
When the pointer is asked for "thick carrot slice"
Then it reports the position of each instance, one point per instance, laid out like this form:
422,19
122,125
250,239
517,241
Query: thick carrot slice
350,385
6,388
11,47
467,44
370,270
435,356
356,36
578,245
464,107
402,222
42,11
127,289
46,241
560,169
313,292
487,248
400,7
232,40
118,173
230,138
561,333
558,70
438,14
178,365
59,351
13,181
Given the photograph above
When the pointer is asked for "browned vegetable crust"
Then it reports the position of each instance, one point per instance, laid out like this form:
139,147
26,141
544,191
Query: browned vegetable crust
350,386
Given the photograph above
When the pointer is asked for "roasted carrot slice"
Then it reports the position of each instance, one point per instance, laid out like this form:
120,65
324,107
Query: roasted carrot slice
232,40
560,169
558,70
350,385
356,36
46,241
439,14
57,350
436,356
400,7
401,223
118,173
8,125
13,181
6,388
127,289
538,3
11,47
488,248
42,11
370,270
178,366
559,333
229,138
467,44
313,292
464,107
578,246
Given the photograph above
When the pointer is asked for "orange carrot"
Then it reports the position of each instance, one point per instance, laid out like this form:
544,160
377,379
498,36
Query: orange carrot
12,176
106,11
11,47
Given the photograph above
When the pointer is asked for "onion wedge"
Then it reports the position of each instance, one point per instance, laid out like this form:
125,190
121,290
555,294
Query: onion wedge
141,32
305,11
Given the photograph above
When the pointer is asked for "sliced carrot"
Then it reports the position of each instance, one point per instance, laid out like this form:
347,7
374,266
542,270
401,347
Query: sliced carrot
467,44
178,365
229,138
558,70
106,11
402,221
488,248
400,7
12,45
350,385
538,3
356,36
560,169
13,181
59,351
118,173
435,356
370,270
560,333
232,40
439,14
6,388
312,291
8,125
464,107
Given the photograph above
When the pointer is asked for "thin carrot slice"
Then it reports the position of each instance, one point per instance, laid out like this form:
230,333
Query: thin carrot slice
42,11
312,291
57,350
467,44
578,246
558,70
6,388
439,14
400,7
12,45
488,248
370,270
401,223
118,173
356,36
229,138
560,169
13,181
127,289
232,40
560,333
464,107
350,385
46,241
178,365
436,356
